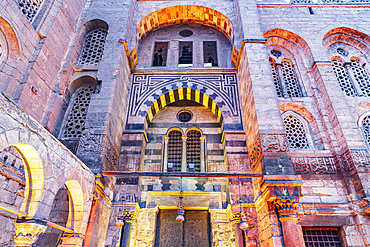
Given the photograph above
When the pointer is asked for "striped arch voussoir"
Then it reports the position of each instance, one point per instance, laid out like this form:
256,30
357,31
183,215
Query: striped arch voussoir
183,94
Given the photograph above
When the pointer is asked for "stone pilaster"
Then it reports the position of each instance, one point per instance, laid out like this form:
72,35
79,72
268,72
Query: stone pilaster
221,228
27,233
146,227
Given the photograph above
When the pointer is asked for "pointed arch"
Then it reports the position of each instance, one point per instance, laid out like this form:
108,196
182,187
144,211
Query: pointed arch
286,38
348,36
184,14
183,94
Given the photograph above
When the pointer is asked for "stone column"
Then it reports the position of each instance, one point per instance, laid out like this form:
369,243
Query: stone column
287,210
202,153
165,155
184,163
26,234
281,79
352,77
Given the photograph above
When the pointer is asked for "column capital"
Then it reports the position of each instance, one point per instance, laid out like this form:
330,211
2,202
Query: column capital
166,138
128,215
203,138
184,138
287,208
26,234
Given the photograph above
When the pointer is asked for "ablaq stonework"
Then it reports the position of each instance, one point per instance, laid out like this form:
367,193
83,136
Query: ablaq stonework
150,123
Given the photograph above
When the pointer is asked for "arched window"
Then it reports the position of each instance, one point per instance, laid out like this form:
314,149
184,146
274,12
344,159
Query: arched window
290,79
93,47
74,122
284,74
361,76
296,133
343,77
174,151
30,8
193,150
365,126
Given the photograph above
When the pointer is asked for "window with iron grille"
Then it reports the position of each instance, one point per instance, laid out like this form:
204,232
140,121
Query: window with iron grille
321,237
276,79
343,78
29,8
175,150
193,149
284,76
352,77
291,82
366,129
296,133
93,47
75,123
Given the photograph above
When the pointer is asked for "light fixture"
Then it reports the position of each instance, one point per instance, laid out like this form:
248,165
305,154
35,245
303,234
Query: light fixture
180,211
120,220
243,223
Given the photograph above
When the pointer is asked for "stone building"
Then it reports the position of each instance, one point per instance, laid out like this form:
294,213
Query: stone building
248,121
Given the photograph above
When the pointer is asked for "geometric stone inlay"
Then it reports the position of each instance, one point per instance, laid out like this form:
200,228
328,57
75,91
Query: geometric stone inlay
223,89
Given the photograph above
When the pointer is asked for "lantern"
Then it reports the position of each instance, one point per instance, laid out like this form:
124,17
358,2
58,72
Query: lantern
243,223
180,215
120,221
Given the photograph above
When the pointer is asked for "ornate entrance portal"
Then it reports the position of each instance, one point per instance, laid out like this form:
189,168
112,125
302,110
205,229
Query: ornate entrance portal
194,231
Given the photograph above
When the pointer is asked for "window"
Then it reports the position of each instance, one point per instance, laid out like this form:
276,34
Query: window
210,53
284,76
193,150
93,47
29,8
296,133
76,116
186,53
174,151
160,53
365,126
343,78
321,236
184,153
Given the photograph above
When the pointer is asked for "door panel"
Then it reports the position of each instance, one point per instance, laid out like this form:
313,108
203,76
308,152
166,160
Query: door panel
194,231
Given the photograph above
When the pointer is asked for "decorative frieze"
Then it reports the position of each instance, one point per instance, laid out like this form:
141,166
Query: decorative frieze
356,158
314,165
274,143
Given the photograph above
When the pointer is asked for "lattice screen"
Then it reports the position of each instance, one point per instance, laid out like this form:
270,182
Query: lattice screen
361,76
193,149
276,79
175,150
291,82
296,133
93,47
343,78
366,129
76,119
29,8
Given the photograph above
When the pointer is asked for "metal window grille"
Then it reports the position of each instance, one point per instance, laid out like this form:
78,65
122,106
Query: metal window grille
361,76
29,8
343,78
193,149
322,237
276,79
76,119
291,82
175,150
296,133
93,47
366,129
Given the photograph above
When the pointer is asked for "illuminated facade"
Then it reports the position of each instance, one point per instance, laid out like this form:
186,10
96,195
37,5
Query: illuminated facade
184,123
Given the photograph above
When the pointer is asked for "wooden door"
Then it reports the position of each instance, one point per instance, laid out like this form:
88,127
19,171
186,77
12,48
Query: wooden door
194,231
